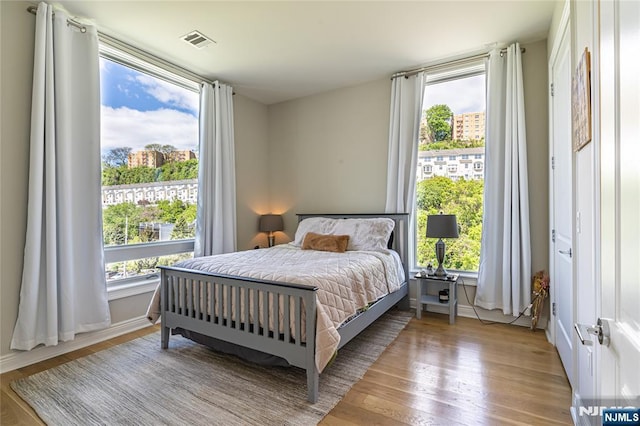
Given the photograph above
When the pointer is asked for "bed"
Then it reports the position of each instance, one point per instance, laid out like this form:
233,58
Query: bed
266,300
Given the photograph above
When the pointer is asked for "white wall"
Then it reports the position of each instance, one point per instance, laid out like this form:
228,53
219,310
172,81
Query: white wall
328,152
16,56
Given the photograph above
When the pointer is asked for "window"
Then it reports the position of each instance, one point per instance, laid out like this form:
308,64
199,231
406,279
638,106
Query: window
477,166
149,144
458,92
427,169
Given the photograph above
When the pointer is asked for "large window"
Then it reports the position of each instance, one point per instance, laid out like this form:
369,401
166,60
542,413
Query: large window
452,133
149,142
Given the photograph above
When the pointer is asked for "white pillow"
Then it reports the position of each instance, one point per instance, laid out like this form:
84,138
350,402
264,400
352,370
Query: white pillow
371,234
319,225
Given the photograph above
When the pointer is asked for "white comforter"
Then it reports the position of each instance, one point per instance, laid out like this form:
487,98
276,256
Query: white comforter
346,281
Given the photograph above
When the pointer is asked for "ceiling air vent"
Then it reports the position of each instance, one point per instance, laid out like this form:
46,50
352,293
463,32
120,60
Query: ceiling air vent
197,39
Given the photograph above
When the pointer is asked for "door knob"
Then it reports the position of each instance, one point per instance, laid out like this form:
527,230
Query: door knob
600,330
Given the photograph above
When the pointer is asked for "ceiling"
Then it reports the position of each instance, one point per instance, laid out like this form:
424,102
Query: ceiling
276,51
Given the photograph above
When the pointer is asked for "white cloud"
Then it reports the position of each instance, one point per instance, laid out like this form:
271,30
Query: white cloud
124,127
169,93
463,95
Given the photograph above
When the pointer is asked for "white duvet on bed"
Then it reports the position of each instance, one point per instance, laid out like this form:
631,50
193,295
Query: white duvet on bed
346,281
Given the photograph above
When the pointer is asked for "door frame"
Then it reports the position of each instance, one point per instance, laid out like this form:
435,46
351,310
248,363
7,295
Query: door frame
562,31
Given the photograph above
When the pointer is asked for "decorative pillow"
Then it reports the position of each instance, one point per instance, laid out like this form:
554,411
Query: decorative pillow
335,243
371,234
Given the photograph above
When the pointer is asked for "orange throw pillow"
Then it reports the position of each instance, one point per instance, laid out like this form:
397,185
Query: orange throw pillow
334,243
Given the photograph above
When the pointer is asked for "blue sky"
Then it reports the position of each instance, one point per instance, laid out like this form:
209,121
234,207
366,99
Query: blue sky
138,109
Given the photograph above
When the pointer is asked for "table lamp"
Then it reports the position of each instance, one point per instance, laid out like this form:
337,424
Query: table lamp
441,226
271,223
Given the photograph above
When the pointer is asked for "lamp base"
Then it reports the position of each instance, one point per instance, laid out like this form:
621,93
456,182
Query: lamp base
440,272
271,240
440,250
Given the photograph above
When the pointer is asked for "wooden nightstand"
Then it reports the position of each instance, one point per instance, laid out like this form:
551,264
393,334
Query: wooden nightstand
441,282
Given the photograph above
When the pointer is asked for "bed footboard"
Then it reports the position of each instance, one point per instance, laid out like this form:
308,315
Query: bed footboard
272,317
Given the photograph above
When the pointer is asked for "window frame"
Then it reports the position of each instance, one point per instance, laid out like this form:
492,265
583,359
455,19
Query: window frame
146,64
455,72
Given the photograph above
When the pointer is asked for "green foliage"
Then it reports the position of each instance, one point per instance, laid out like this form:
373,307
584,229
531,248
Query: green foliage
439,118
454,144
462,198
179,170
120,222
111,175
123,175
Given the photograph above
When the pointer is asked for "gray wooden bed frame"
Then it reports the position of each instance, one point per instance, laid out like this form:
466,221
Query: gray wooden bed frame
181,307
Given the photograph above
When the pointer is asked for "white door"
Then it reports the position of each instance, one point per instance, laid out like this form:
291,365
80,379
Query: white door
617,362
562,212
620,201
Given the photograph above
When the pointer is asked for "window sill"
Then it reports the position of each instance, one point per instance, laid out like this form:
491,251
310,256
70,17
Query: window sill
132,288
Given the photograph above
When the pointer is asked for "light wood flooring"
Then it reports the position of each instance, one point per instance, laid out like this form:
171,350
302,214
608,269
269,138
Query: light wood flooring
433,374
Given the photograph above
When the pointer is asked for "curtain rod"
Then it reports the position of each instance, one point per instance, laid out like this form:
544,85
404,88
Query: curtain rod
34,10
119,43
415,71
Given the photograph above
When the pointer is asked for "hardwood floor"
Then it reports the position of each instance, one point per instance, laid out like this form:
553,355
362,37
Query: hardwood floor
433,374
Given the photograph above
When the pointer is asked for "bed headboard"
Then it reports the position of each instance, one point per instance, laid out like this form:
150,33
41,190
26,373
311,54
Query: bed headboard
400,238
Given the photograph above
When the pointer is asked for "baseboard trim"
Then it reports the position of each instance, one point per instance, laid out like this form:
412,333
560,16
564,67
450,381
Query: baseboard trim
468,312
19,359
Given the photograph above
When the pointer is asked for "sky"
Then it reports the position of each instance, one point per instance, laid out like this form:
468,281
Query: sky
462,95
138,109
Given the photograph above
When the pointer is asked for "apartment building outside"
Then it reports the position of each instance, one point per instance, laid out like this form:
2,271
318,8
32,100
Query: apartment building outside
153,158
463,163
180,155
151,193
146,158
468,126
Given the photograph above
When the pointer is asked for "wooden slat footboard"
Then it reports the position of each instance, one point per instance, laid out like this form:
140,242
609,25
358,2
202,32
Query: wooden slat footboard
268,316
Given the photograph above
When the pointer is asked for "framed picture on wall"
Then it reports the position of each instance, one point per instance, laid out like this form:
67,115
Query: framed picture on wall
581,102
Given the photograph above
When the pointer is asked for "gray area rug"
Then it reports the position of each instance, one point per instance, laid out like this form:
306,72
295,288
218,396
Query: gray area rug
137,383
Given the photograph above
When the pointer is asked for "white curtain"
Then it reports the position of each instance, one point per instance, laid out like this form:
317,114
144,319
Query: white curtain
404,130
216,217
504,277
63,282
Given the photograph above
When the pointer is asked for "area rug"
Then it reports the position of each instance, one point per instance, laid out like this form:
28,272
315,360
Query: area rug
137,383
